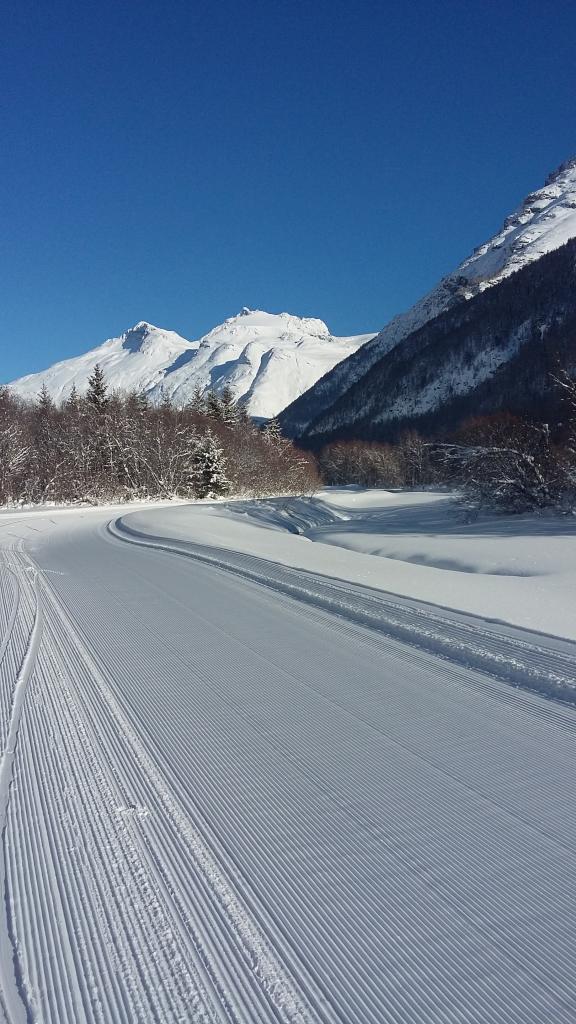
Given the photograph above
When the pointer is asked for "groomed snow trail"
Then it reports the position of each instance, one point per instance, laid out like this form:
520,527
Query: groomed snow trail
236,792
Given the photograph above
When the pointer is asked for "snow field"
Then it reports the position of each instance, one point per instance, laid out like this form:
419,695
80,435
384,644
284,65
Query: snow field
239,795
143,930
421,545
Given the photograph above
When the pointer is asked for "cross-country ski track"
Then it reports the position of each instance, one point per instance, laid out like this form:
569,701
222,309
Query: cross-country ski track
232,791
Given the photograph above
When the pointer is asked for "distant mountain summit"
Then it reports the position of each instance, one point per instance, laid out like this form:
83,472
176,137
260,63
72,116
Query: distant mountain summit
267,359
545,221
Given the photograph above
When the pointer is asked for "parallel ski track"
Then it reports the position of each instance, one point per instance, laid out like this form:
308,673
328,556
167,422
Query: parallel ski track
213,821
13,700
523,661
10,645
128,913
396,912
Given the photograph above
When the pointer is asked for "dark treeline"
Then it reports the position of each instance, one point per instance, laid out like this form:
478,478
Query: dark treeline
500,461
100,447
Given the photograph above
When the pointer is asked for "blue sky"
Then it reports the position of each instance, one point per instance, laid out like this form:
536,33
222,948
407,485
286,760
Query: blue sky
175,161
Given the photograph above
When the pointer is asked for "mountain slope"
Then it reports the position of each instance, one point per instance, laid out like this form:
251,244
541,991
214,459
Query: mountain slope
544,222
266,359
497,351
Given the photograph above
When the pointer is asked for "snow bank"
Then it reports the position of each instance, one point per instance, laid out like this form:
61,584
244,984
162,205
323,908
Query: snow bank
516,570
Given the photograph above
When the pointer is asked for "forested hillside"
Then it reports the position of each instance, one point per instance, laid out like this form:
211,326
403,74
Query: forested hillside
492,353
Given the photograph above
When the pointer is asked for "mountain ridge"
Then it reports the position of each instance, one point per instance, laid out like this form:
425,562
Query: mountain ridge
499,352
544,221
266,359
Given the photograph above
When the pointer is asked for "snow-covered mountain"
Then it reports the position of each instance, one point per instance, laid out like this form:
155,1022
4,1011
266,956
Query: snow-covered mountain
498,352
267,360
544,222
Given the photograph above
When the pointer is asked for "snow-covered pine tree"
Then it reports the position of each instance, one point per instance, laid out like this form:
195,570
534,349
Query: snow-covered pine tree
229,412
197,403
72,403
272,433
210,468
45,403
97,393
242,414
137,403
213,406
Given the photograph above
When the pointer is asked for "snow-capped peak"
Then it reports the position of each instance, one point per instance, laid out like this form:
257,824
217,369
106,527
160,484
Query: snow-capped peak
134,338
267,359
545,221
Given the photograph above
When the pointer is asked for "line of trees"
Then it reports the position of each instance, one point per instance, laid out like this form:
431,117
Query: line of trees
500,461
104,446
375,464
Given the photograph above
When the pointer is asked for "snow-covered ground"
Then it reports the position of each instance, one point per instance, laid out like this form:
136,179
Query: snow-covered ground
519,570
240,782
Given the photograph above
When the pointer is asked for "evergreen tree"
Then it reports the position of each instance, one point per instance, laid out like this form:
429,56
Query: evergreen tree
242,414
272,432
165,403
97,393
213,406
45,403
228,413
137,403
72,403
210,465
197,403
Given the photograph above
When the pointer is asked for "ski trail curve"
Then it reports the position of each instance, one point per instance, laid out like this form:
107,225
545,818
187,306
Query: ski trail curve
517,659
232,807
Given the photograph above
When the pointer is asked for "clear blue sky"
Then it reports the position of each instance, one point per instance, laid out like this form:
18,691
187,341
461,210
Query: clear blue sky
175,161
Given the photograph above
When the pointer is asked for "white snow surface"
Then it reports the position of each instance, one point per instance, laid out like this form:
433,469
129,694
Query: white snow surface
244,782
519,570
266,359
